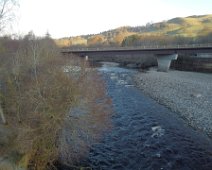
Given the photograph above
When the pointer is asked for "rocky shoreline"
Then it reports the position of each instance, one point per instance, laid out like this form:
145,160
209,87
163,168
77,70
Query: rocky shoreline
187,93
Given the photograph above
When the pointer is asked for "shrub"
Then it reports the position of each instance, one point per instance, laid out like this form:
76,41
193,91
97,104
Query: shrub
37,98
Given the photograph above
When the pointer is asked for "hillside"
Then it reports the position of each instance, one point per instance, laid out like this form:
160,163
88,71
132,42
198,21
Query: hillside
192,28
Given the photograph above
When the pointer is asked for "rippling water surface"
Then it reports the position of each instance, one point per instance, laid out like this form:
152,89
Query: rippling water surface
145,134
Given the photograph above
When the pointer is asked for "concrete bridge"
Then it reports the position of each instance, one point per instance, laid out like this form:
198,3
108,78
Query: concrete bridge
164,54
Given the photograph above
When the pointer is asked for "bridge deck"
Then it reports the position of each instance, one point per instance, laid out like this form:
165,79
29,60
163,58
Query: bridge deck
152,50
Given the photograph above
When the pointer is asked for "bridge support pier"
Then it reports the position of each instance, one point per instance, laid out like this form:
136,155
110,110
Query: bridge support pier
164,61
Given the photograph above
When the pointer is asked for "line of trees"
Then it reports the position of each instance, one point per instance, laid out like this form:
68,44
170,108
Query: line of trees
138,40
161,40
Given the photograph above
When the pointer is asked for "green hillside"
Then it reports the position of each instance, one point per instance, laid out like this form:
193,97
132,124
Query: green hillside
192,28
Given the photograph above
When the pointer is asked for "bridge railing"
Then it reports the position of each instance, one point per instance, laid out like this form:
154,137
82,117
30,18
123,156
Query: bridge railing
139,47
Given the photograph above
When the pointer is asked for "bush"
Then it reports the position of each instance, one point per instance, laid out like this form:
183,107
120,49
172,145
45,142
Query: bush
37,97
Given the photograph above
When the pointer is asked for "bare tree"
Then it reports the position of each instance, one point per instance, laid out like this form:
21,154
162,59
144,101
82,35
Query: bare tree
7,12
6,16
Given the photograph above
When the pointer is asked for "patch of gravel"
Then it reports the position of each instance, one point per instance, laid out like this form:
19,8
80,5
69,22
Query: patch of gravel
186,93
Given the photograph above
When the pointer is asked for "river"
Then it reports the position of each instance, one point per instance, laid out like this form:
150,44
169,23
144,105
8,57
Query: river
145,134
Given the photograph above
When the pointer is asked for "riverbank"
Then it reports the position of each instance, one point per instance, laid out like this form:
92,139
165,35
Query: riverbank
186,93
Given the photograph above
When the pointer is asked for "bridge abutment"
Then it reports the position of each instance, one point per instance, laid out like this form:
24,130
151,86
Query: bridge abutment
164,61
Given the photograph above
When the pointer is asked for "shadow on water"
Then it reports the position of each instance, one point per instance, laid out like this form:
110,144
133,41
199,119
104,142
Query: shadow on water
145,134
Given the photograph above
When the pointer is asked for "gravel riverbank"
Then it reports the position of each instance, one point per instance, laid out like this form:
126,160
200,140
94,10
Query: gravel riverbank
186,93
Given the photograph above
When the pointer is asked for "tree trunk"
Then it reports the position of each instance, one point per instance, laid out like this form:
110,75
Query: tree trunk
2,115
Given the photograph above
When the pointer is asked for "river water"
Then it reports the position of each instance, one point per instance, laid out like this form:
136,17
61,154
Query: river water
145,134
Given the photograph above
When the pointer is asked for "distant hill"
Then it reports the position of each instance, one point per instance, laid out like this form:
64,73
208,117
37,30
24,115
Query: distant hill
177,30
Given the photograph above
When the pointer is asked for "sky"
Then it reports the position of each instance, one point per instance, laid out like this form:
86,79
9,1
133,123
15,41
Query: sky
65,18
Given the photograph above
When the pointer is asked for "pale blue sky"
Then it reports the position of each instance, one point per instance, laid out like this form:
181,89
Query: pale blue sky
63,18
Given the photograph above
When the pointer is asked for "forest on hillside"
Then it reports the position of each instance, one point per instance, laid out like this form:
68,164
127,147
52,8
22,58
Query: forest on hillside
176,31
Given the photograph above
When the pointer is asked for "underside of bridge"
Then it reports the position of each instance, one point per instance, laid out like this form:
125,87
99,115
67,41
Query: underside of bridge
187,58
163,60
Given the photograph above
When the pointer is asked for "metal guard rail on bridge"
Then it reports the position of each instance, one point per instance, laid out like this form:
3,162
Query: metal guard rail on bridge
137,47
